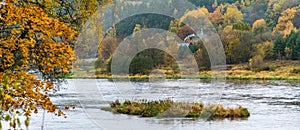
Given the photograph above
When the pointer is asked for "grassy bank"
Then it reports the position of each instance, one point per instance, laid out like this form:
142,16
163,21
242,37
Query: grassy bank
272,70
168,108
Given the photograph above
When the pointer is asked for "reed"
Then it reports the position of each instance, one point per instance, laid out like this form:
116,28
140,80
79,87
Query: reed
169,108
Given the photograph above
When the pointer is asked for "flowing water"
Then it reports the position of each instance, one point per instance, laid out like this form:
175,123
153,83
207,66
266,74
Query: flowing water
272,104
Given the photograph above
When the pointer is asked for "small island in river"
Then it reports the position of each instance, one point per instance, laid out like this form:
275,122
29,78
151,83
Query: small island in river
169,108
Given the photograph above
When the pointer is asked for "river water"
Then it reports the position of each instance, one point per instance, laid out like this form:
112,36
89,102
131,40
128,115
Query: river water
272,104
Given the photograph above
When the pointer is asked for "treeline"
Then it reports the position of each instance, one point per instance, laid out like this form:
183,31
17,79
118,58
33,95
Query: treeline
251,31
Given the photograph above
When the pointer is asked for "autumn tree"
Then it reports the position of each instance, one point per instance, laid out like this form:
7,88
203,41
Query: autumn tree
238,45
273,12
217,17
259,26
232,51
196,17
204,10
31,43
137,28
264,50
77,15
285,24
73,13
233,15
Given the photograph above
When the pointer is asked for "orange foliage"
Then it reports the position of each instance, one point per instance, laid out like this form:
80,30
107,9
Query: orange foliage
217,16
195,14
30,41
285,25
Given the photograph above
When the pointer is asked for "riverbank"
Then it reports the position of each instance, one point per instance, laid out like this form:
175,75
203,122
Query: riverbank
271,70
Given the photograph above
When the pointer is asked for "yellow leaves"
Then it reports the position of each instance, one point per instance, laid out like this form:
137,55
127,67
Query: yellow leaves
228,28
26,98
285,24
204,10
38,89
233,15
56,57
9,44
60,113
14,31
264,49
201,12
257,23
34,42
47,28
7,60
49,85
7,97
233,44
59,33
289,13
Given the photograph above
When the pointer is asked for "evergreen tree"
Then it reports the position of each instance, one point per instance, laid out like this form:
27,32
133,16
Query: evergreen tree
293,46
279,46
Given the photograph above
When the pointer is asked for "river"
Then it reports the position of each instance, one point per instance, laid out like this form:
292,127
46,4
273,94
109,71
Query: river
272,104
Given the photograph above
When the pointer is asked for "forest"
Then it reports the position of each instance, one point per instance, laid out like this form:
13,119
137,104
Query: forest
41,41
251,31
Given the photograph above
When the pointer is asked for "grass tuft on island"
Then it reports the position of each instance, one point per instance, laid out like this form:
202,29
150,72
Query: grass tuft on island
169,108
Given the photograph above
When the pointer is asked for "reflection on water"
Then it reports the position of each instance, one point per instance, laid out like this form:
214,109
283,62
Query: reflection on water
272,104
